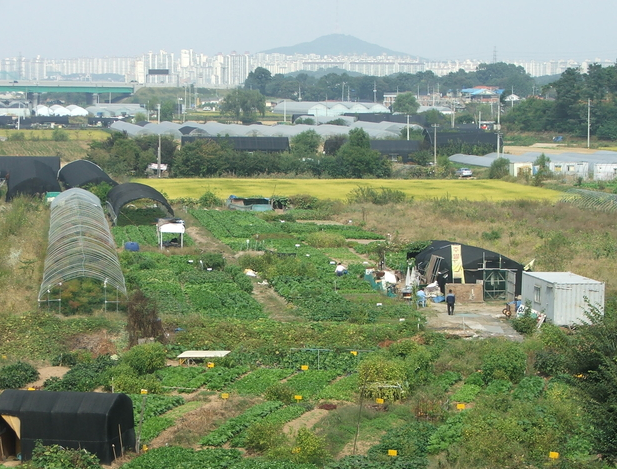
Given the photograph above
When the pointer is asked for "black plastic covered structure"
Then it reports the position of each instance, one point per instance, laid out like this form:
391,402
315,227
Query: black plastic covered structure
31,178
88,420
475,262
265,144
123,194
83,172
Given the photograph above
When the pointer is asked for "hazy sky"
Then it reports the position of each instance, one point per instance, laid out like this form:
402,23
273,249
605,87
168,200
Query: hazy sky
446,29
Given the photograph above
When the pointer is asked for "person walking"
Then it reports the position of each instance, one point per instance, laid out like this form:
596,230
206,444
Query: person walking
450,300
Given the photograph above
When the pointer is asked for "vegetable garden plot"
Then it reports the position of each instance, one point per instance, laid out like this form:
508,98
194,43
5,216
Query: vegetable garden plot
235,425
309,383
222,301
258,381
179,286
344,389
279,417
144,235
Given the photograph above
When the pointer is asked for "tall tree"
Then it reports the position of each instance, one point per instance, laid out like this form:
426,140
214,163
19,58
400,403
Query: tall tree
243,105
258,79
405,103
355,159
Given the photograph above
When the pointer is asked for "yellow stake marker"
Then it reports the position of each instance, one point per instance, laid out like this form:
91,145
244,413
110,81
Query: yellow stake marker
460,406
297,397
225,395
304,367
553,455
144,391
392,452
210,365
354,353
379,400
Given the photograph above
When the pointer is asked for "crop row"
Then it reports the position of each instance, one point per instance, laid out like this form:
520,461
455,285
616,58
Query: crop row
278,417
235,425
258,381
309,383
188,379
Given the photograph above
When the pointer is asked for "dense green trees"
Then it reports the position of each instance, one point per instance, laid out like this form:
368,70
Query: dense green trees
405,103
243,105
355,159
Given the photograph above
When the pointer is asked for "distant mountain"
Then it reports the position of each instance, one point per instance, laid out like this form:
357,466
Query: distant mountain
335,44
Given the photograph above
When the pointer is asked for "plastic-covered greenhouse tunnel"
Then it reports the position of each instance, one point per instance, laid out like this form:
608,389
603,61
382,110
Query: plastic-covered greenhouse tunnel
80,246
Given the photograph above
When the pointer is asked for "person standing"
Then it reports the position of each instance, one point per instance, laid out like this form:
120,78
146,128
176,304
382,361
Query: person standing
450,300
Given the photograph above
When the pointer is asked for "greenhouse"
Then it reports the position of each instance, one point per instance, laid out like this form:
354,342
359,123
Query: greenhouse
80,244
123,194
82,172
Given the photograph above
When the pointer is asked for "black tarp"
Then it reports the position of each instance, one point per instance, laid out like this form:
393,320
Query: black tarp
474,259
11,163
31,179
477,137
122,194
265,144
402,148
82,172
87,420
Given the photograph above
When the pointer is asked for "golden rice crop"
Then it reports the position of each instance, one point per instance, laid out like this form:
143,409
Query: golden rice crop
475,189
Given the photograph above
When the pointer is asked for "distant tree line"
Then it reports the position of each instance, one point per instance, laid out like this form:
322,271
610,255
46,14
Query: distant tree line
362,88
567,112
336,157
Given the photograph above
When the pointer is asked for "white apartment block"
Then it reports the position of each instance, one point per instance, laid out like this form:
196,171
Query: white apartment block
230,70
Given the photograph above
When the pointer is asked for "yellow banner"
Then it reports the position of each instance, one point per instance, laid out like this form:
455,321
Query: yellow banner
457,263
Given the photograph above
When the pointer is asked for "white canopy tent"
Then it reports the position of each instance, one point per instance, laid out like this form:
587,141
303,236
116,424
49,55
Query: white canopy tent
170,225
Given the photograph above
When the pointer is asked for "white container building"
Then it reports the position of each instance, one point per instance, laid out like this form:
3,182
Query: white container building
561,295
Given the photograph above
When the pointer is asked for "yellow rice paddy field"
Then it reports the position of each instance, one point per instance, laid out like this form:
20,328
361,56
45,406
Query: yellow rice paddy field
474,189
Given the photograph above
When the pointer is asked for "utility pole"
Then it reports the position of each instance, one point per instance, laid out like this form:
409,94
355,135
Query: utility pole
498,128
407,127
588,121
435,144
158,159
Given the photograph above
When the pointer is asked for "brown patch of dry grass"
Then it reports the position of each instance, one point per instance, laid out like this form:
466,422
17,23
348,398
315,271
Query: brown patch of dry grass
582,241
24,224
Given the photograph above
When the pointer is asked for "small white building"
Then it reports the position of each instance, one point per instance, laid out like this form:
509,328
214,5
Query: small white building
562,296
604,172
519,169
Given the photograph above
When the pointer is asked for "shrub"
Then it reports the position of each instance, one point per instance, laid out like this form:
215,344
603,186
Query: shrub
213,260
525,324
498,386
146,358
59,135
209,199
504,360
17,375
263,436
280,392
383,196
529,389
476,379
550,362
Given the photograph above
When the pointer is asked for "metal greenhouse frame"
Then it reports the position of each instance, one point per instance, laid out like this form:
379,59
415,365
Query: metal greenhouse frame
80,244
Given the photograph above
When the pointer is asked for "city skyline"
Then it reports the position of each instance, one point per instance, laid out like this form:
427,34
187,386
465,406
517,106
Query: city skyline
523,31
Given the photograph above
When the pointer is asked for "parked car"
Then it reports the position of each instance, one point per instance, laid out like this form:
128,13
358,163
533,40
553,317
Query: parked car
464,173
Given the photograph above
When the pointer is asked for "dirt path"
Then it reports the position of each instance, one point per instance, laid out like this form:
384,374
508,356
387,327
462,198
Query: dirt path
273,303
548,148
48,372
307,420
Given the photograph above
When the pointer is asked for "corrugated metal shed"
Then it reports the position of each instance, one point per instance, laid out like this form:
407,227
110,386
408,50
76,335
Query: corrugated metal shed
561,295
